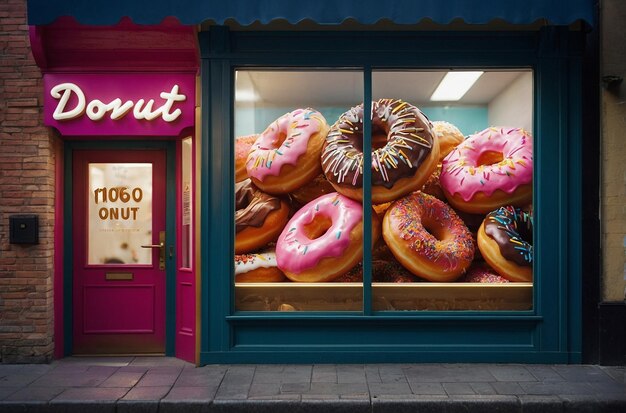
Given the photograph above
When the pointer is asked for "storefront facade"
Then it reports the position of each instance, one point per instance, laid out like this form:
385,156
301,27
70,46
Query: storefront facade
150,112
125,272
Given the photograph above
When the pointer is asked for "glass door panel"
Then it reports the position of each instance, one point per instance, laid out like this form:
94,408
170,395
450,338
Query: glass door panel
120,213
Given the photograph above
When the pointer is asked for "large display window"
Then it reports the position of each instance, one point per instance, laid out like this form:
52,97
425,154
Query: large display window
441,221
515,122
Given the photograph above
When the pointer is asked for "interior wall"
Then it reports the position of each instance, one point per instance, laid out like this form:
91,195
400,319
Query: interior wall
250,119
469,120
514,105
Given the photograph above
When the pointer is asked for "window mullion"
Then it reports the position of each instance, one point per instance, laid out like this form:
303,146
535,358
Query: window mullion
367,190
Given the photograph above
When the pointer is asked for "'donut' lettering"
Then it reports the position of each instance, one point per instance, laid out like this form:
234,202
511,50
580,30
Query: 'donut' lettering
96,109
115,213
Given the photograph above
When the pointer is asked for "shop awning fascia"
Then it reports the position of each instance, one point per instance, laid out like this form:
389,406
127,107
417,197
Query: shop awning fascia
325,12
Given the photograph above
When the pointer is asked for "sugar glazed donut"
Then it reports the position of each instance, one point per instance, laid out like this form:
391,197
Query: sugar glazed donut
242,147
505,242
257,268
432,186
428,238
286,155
482,273
448,136
324,239
405,161
259,217
488,170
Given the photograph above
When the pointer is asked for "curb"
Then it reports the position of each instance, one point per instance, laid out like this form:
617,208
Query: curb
422,404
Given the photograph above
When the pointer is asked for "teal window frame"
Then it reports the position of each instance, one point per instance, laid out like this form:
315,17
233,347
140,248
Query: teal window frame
550,332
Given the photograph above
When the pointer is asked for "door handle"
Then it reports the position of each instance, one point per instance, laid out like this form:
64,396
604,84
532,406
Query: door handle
161,247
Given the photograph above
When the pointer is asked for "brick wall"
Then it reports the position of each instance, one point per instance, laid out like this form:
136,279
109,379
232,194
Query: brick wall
26,186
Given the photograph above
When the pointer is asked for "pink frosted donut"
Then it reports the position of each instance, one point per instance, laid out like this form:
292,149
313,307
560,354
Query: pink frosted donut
286,156
323,240
488,170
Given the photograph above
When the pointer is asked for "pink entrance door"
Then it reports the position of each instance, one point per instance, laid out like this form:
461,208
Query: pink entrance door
119,252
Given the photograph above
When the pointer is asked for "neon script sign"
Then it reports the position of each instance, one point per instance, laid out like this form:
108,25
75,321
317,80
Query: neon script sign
115,109
142,105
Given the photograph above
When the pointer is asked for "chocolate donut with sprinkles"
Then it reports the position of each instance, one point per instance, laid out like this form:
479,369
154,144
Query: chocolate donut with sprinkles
405,151
505,242
428,238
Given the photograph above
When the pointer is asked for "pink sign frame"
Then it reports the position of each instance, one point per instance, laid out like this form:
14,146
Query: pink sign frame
170,118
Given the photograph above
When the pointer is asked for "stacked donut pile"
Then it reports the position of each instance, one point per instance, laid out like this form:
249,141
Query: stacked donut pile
435,196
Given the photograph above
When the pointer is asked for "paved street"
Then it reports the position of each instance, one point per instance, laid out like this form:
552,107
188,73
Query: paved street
161,384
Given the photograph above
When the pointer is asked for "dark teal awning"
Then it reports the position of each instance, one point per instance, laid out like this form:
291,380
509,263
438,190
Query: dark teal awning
327,12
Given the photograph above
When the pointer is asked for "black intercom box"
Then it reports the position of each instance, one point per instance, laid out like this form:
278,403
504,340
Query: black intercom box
24,229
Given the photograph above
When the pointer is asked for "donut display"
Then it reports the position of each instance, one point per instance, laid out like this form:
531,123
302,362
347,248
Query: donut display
428,238
505,242
257,268
445,209
407,156
259,217
488,170
286,155
242,147
323,240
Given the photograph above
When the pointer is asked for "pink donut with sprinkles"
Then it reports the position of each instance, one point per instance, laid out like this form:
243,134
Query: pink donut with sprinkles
286,156
428,238
323,240
488,170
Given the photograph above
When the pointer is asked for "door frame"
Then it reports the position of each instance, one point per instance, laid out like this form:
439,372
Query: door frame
170,227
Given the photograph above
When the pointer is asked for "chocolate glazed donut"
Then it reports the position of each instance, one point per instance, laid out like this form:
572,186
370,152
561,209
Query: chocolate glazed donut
403,164
503,240
259,217
510,228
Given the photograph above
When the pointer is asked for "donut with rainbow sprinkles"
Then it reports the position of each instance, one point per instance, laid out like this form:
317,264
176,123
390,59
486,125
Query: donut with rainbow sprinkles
428,238
505,241
405,152
488,170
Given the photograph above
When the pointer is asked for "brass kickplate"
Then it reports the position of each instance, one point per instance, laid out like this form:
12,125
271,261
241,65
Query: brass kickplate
119,276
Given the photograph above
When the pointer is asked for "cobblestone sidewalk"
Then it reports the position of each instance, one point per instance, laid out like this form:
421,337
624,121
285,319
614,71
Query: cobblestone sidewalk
160,384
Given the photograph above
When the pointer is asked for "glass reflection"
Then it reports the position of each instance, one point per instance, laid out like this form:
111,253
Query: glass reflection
296,239
466,230
434,223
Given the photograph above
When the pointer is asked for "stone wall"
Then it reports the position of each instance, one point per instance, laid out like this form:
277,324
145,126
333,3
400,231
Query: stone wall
613,115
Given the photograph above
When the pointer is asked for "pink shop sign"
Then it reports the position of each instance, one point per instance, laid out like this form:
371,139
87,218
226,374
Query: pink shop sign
119,104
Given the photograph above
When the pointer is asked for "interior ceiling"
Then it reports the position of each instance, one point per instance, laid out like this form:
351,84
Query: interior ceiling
344,88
